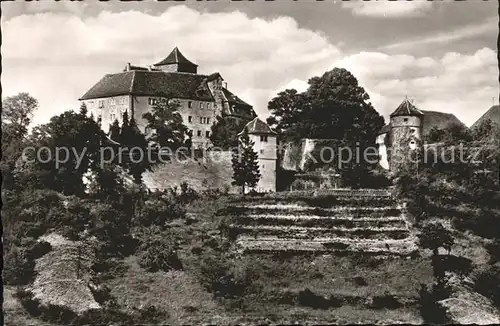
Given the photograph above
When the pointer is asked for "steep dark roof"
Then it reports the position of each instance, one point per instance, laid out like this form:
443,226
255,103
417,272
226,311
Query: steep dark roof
151,83
237,106
385,129
257,126
174,57
439,120
406,108
492,114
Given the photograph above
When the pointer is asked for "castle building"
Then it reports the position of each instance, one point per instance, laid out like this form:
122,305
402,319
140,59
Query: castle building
407,126
265,141
136,90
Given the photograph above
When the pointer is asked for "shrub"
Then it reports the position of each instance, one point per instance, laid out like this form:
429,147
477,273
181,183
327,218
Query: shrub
487,283
159,209
430,309
18,269
222,279
158,252
387,301
310,299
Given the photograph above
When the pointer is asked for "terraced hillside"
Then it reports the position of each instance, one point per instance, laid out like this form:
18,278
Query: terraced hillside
335,221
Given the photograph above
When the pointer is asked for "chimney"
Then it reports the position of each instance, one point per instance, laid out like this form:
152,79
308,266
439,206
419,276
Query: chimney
149,67
127,67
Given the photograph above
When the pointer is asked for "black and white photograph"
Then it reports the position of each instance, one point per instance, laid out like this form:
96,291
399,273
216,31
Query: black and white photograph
260,162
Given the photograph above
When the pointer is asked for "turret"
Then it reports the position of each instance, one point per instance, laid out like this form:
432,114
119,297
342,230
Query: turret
406,130
176,62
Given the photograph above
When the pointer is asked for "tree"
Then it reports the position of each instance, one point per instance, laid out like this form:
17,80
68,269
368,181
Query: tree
77,140
335,108
246,172
286,110
17,112
224,133
435,236
115,131
19,109
137,161
166,124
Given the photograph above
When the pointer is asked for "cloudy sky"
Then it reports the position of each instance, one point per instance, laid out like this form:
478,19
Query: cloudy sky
441,54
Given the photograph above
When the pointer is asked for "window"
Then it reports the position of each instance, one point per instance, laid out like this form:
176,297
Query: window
263,138
190,104
263,166
201,120
190,119
121,100
147,130
208,105
112,101
207,134
201,105
199,133
405,119
262,151
101,103
208,120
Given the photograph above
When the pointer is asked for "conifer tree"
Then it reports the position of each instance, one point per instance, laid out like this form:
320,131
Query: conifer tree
115,131
137,160
246,172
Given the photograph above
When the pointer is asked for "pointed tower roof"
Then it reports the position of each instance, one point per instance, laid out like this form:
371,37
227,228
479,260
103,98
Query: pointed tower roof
257,126
406,108
174,57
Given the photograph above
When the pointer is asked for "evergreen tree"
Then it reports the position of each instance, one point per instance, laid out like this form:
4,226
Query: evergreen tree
245,163
115,131
137,161
83,109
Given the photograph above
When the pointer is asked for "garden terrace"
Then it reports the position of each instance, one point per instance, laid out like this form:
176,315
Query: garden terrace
338,221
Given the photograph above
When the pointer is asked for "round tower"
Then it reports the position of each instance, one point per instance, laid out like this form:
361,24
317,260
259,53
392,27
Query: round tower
406,131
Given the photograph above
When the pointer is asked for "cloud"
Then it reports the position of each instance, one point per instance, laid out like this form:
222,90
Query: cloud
388,9
488,26
57,57
455,83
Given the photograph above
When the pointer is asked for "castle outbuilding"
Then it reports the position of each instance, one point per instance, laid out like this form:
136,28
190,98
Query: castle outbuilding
136,90
265,141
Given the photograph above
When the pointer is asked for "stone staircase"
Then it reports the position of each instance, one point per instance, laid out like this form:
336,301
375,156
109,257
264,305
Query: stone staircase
326,221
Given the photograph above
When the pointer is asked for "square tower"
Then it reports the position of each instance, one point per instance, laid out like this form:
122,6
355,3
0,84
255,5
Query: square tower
265,145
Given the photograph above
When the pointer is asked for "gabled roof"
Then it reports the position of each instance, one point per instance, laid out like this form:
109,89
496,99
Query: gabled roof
151,83
492,114
237,106
257,126
174,57
439,120
406,108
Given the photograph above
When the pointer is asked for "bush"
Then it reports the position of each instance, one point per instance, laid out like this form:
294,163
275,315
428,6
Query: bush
222,279
159,209
158,252
487,283
18,269
430,310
